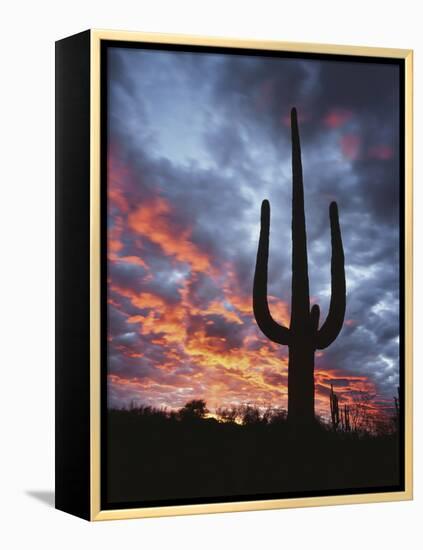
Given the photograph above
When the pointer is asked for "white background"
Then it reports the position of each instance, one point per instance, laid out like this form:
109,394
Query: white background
27,35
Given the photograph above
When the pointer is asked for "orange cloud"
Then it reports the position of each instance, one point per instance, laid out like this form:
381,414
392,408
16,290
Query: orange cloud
163,318
152,220
222,373
117,174
225,373
256,370
219,308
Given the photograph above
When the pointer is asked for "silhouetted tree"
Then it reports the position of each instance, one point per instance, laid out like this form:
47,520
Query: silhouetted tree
304,336
228,414
194,409
251,415
361,417
278,416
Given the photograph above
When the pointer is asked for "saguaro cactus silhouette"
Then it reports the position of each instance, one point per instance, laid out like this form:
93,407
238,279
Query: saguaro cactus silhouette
303,337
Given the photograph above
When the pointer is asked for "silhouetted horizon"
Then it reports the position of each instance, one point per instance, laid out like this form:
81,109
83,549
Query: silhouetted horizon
154,455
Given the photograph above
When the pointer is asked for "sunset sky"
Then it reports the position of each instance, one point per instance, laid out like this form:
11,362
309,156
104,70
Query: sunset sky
196,142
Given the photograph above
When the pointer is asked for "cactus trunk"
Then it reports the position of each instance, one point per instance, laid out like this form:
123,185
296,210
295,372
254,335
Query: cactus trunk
301,384
301,351
303,336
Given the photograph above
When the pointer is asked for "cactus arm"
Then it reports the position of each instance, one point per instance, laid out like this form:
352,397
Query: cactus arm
275,332
335,319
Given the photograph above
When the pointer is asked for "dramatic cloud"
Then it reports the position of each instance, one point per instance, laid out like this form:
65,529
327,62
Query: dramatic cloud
196,142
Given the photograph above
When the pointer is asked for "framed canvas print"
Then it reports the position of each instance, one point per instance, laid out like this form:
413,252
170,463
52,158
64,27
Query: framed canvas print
233,275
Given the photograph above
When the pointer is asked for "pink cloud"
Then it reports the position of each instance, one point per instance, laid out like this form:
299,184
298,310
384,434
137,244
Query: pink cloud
350,146
381,152
337,118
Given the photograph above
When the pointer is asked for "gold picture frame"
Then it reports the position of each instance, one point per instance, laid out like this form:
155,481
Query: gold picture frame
94,512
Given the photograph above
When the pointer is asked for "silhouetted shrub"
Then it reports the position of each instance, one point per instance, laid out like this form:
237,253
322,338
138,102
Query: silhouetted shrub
193,410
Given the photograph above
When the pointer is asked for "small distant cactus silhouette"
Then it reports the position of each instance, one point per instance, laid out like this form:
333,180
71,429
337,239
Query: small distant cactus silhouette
334,408
303,337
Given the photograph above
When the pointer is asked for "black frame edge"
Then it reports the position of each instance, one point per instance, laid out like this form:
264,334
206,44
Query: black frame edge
72,299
